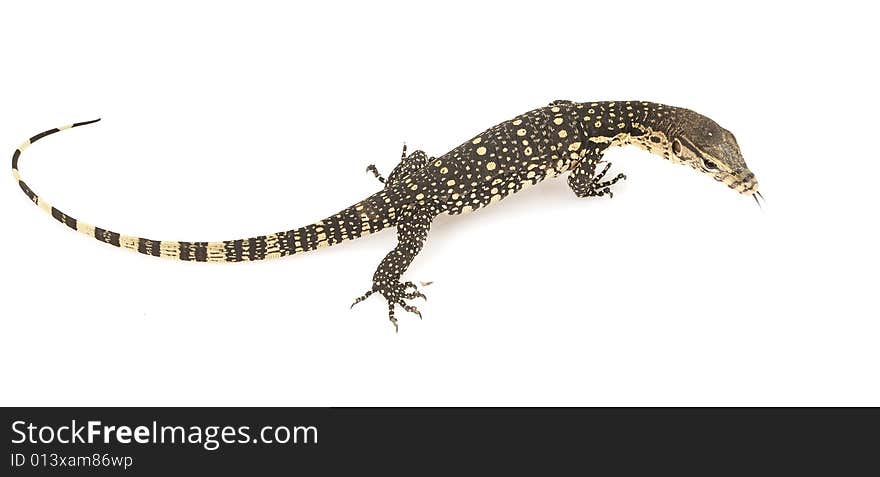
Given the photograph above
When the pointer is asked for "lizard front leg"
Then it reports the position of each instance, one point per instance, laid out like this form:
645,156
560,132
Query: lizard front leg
584,180
407,165
412,231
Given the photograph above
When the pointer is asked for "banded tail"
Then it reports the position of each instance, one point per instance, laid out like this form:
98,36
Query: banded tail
367,216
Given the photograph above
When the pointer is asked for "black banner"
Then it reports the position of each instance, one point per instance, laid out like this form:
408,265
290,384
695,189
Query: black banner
150,441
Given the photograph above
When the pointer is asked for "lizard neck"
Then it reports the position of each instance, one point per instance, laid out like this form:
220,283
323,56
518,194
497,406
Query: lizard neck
649,126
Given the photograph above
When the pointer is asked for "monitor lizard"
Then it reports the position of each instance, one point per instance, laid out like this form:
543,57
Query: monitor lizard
562,137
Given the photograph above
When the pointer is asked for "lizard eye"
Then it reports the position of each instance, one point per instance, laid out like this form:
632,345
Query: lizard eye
676,147
709,165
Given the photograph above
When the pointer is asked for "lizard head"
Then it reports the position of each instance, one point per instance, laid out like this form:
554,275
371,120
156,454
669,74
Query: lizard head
707,147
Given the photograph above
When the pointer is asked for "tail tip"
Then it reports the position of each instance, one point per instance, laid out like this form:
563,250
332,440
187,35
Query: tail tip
85,122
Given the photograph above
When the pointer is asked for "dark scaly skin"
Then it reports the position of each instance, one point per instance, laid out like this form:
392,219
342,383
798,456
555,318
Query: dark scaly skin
562,137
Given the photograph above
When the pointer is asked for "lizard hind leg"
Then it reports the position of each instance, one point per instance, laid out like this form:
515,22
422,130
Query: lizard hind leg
372,167
412,231
407,165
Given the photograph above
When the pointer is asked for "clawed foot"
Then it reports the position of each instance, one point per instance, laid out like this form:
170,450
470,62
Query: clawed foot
598,187
586,182
395,294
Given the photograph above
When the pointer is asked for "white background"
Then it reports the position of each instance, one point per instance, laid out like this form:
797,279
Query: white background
226,121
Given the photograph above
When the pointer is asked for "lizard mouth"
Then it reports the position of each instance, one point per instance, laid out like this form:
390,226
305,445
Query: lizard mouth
744,183
748,186
751,189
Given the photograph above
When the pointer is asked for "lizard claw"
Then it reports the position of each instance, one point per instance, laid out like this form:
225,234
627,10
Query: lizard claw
410,308
414,295
361,298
